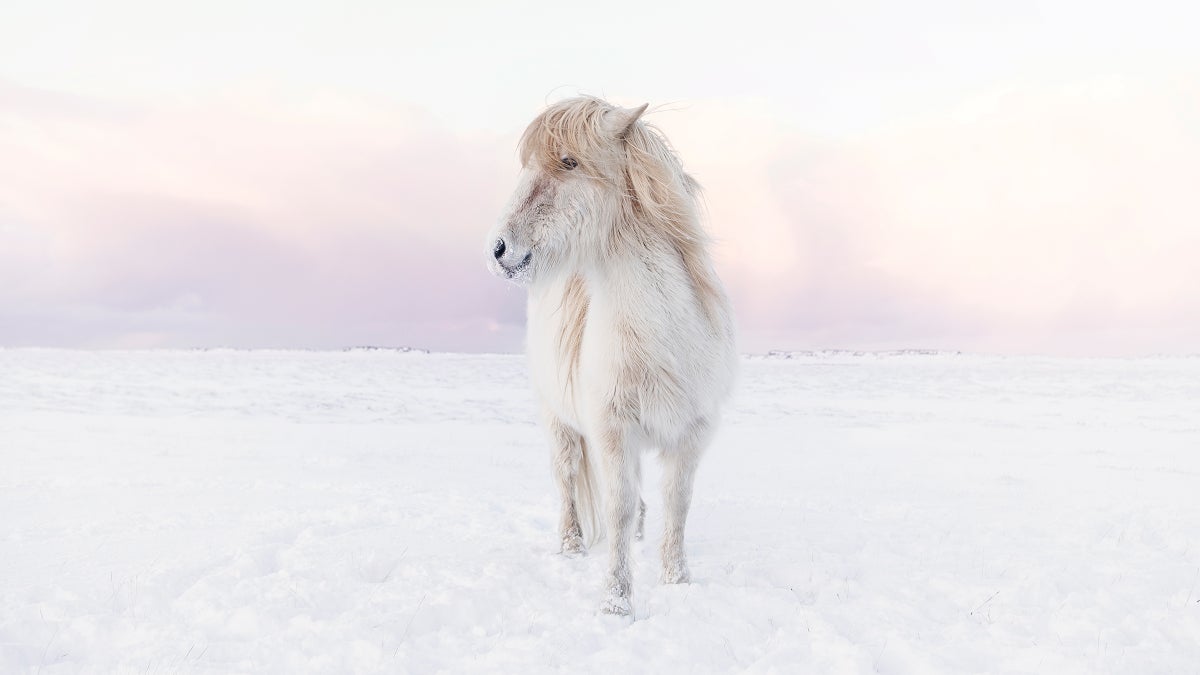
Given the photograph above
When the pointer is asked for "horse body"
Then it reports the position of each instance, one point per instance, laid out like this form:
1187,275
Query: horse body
630,336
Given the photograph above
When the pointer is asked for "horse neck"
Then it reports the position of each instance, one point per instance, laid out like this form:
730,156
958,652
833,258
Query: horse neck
626,254
644,258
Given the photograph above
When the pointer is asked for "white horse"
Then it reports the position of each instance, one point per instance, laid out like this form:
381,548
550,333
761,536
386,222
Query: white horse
630,335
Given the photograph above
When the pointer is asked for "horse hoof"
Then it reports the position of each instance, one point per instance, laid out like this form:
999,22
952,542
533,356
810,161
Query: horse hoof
616,605
573,547
677,574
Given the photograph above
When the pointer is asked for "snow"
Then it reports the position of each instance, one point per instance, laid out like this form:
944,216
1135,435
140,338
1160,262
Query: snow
379,511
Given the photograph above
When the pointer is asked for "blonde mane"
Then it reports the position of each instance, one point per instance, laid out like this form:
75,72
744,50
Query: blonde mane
658,197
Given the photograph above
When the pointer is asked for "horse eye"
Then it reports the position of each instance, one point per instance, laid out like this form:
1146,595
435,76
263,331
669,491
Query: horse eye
569,163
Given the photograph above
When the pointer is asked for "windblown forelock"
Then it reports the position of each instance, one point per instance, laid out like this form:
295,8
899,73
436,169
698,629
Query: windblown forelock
574,128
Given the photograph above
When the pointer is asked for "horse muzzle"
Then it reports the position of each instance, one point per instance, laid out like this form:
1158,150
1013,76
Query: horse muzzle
508,262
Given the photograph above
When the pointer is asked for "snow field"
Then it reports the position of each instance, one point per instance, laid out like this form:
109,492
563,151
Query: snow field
376,511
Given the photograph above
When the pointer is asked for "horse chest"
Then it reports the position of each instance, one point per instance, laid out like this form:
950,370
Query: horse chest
572,350
556,320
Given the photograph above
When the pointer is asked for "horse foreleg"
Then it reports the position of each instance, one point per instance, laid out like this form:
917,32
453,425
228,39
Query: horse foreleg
679,474
640,532
566,454
622,470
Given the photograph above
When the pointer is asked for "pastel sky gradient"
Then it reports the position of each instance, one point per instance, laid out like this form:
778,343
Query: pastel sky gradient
1011,177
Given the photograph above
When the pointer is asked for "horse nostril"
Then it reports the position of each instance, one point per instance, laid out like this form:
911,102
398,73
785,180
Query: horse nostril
499,250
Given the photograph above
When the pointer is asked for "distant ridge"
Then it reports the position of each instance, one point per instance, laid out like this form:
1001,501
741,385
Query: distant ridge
831,353
372,348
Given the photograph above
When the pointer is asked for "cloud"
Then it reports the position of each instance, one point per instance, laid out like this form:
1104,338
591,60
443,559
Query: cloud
320,222
1030,218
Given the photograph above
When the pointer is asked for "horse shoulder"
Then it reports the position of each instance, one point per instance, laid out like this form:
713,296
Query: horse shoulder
647,352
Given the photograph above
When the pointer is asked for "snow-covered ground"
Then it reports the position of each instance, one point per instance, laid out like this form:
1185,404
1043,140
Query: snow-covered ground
375,511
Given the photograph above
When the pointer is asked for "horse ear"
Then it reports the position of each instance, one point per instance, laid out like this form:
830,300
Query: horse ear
621,120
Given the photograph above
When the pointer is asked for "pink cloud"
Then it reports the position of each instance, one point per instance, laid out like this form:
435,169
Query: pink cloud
1048,219
1053,219
255,226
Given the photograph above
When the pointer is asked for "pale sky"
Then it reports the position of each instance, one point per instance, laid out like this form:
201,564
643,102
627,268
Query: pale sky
1000,177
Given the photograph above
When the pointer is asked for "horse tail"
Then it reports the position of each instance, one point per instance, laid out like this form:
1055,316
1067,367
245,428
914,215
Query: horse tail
588,500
